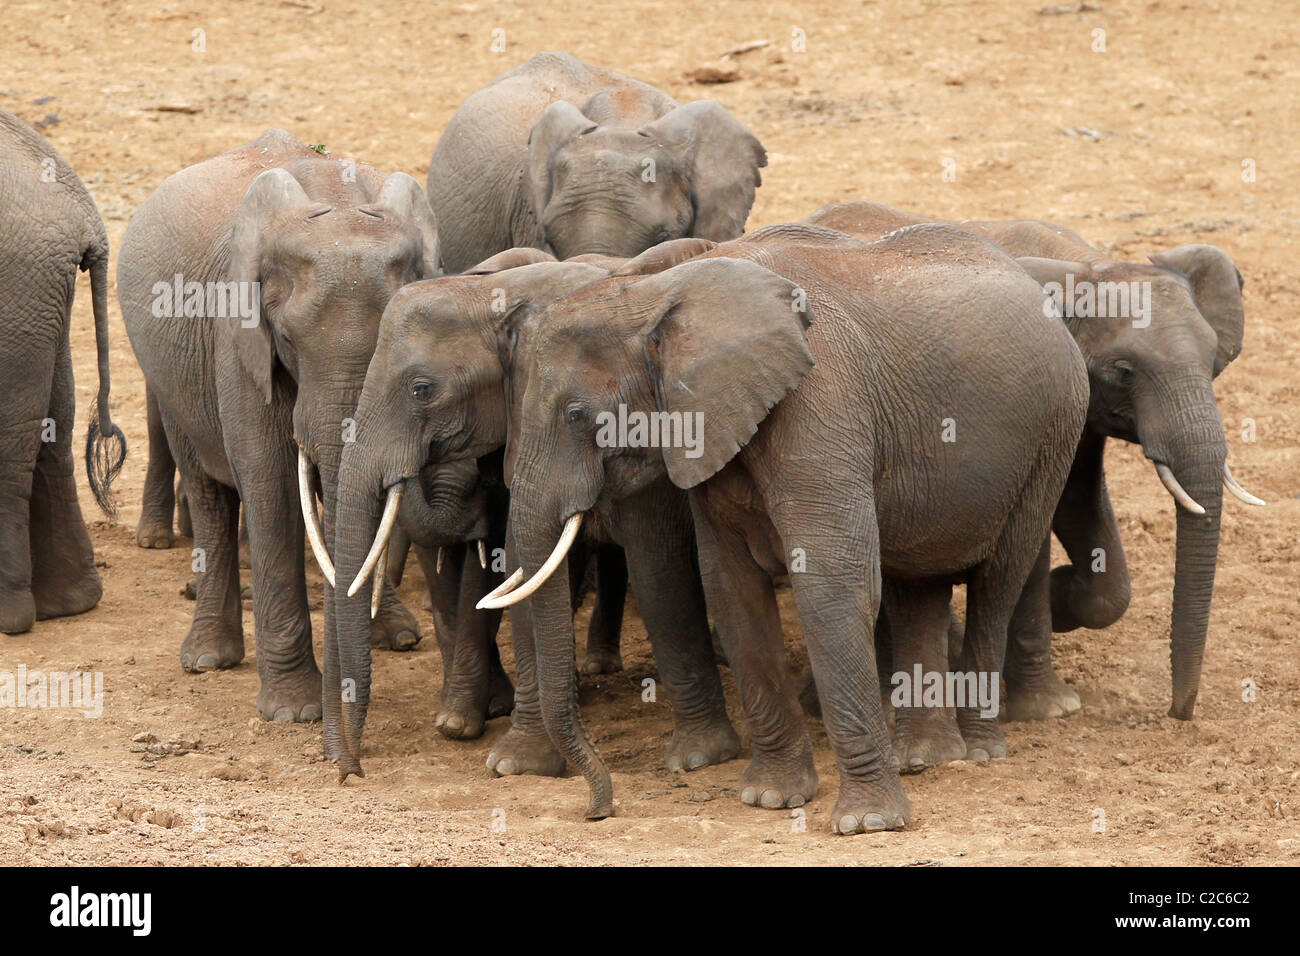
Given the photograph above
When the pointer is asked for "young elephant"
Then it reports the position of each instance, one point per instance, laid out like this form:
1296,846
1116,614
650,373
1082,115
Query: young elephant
869,444
49,228
436,392
1151,368
251,286
573,159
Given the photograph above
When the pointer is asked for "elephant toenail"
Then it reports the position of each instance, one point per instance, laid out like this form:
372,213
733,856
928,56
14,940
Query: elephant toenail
848,824
873,821
310,713
795,801
696,760
206,662
283,715
772,800
749,796
506,767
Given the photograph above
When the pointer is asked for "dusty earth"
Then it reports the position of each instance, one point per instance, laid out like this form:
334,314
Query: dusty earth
1145,145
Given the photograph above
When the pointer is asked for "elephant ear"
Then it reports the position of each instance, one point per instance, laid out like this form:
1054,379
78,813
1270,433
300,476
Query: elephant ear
727,339
1052,275
559,123
1217,283
722,160
510,259
270,193
665,256
402,196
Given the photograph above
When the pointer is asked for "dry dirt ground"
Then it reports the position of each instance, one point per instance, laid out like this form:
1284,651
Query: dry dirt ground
1139,147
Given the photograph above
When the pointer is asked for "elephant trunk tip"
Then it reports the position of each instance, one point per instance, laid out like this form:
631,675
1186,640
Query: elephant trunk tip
600,810
349,766
1183,709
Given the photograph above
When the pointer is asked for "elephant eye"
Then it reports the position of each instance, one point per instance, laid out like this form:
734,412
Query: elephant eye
1124,373
422,391
575,414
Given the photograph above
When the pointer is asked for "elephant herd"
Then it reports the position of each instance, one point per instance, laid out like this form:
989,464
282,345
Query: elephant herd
564,366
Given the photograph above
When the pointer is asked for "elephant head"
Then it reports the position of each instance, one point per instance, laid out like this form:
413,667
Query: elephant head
1151,367
325,254
617,191
611,387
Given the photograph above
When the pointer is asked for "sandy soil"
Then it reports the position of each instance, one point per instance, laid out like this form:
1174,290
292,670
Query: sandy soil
1140,147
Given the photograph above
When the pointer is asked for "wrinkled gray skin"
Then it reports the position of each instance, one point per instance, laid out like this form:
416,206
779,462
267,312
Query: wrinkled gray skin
437,392
329,243
566,157
850,468
49,228
1152,386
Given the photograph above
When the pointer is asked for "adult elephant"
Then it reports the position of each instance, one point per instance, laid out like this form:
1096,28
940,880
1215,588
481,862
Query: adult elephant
436,393
49,228
830,453
251,285
1151,370
574,159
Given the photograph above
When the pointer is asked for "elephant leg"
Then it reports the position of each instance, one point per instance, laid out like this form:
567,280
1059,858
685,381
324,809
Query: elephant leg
781,772
286,664
469,686
20,444
1093,590
64,578
526,747
154,529
394,628
838,597
924,734
184,526
603,655
665,576
216,636
1034,691
444,596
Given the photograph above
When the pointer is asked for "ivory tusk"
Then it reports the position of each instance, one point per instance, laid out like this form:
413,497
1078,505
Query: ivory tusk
438,567
503,587
1231,484
377,586
1175,489
482,553
567,536
307,498
381,538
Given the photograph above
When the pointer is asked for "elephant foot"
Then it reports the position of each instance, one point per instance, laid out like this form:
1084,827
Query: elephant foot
153,532
983,736
65,599
602,660
291,696
702,745
774,782
501,695
926,739
208,648
394,628
17,611
1040,699
868,806
525,751
459,718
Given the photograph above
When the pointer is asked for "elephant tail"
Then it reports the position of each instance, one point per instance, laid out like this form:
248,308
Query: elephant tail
105,443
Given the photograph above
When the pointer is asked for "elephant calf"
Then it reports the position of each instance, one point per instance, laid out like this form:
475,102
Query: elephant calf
49,228
868,444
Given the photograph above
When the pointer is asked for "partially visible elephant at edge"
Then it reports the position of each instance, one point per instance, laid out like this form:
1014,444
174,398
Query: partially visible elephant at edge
827,440
256,404
1151,382
49,229
573,159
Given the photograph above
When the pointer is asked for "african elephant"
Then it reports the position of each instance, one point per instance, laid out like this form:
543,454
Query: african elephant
437,391
49,228
1151,369
251,285
573,159
867,444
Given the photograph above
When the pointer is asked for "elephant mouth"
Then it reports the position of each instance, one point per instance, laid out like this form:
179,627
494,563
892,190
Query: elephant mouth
1186,501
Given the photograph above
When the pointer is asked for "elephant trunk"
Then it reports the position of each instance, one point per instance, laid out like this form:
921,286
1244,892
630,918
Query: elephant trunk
1195,455
535,537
